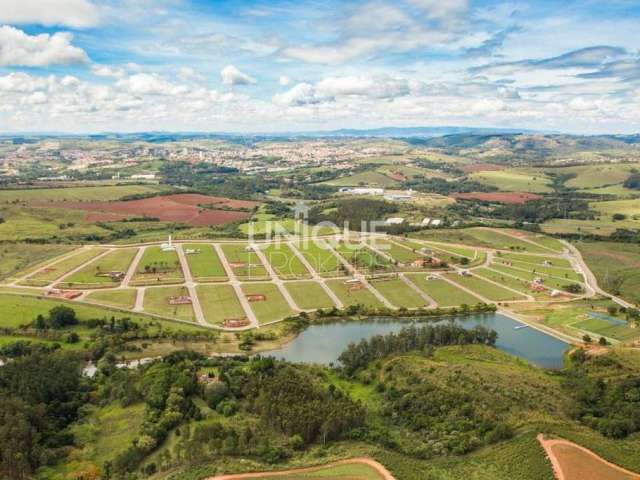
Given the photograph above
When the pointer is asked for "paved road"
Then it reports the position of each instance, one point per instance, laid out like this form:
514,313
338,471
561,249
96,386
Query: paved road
430,301
233,280
316,276
191,286
77,269
132,268
139,306
277,280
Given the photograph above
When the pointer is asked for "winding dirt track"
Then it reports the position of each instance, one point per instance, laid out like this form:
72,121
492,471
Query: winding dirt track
379,468
570,468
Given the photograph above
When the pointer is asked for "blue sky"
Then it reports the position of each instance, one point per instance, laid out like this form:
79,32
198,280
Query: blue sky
133,65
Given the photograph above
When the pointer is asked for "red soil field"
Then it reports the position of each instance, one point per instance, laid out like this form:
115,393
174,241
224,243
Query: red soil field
499,197
180,208
481,167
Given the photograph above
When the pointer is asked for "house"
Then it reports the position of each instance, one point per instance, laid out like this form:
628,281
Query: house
394,221
425,221
436,222
143,176
362,191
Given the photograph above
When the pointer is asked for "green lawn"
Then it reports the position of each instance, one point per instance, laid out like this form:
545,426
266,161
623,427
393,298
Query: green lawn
484,288
444,294
99,192
399,293
551,282
247,264
219,303
515,283
534,259
354,297
125,298
62,267
362,257
496,239
285,262
321,258
204,263
401,254
24,257
514,180
354,471
560,272
116,261
603,328
369,178
616,266
157,267
309,295
156,300
275,307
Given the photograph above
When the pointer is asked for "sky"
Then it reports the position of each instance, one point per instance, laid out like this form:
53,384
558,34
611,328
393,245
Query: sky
266,66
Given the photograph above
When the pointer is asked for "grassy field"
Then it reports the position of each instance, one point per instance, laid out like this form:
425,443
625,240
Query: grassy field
362,257
285,262
616,266
309,295
630,208
520,285
352,471
205,265
321,258
116,261
559,272
484,288
552,282
100,192
156,300
399,253
62,267
157,267
248,265
22,257
533,259
444,294
515,180
219,303
353,297
502,241
275,307
599,175
125,298
399,293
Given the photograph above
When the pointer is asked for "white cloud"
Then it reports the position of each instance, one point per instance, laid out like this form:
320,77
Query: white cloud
372,87
21,82
442,9
72,13
19,49
36,98
232,76
107,71
150,84
301,94
284,80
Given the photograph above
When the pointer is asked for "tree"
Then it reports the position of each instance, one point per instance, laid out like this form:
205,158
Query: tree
603,341
586,339
62,316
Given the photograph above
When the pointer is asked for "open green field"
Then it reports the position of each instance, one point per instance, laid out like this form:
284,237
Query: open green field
156,300
157,267
399,253
616,267
268,224
354,297
352,471
551,282
100,192
219,303
598,327
89,277
599,175
444,294
309,295
520,285
321,258
62,267
399,293
559,272
285,262
24,257
362,257
533,259
602,227
515,180
125,298
275,307
204,263
486,289
630,208
452,255
502,241
245,263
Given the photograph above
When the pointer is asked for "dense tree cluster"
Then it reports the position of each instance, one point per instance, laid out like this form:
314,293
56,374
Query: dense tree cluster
359,355
357,212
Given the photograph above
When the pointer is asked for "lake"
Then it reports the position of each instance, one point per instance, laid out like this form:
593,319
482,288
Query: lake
324,343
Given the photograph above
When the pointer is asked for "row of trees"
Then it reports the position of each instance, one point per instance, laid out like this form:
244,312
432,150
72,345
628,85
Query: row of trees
359,355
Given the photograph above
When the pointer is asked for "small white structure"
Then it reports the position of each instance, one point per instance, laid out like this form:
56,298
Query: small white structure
426,221
143,176
547,263
191,251
555,293
398,197
465,273
168,247
436,222
352,281
432,277
394,221
362,191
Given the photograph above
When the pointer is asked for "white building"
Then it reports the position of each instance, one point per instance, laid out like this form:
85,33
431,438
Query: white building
394,221
143,176
362,191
